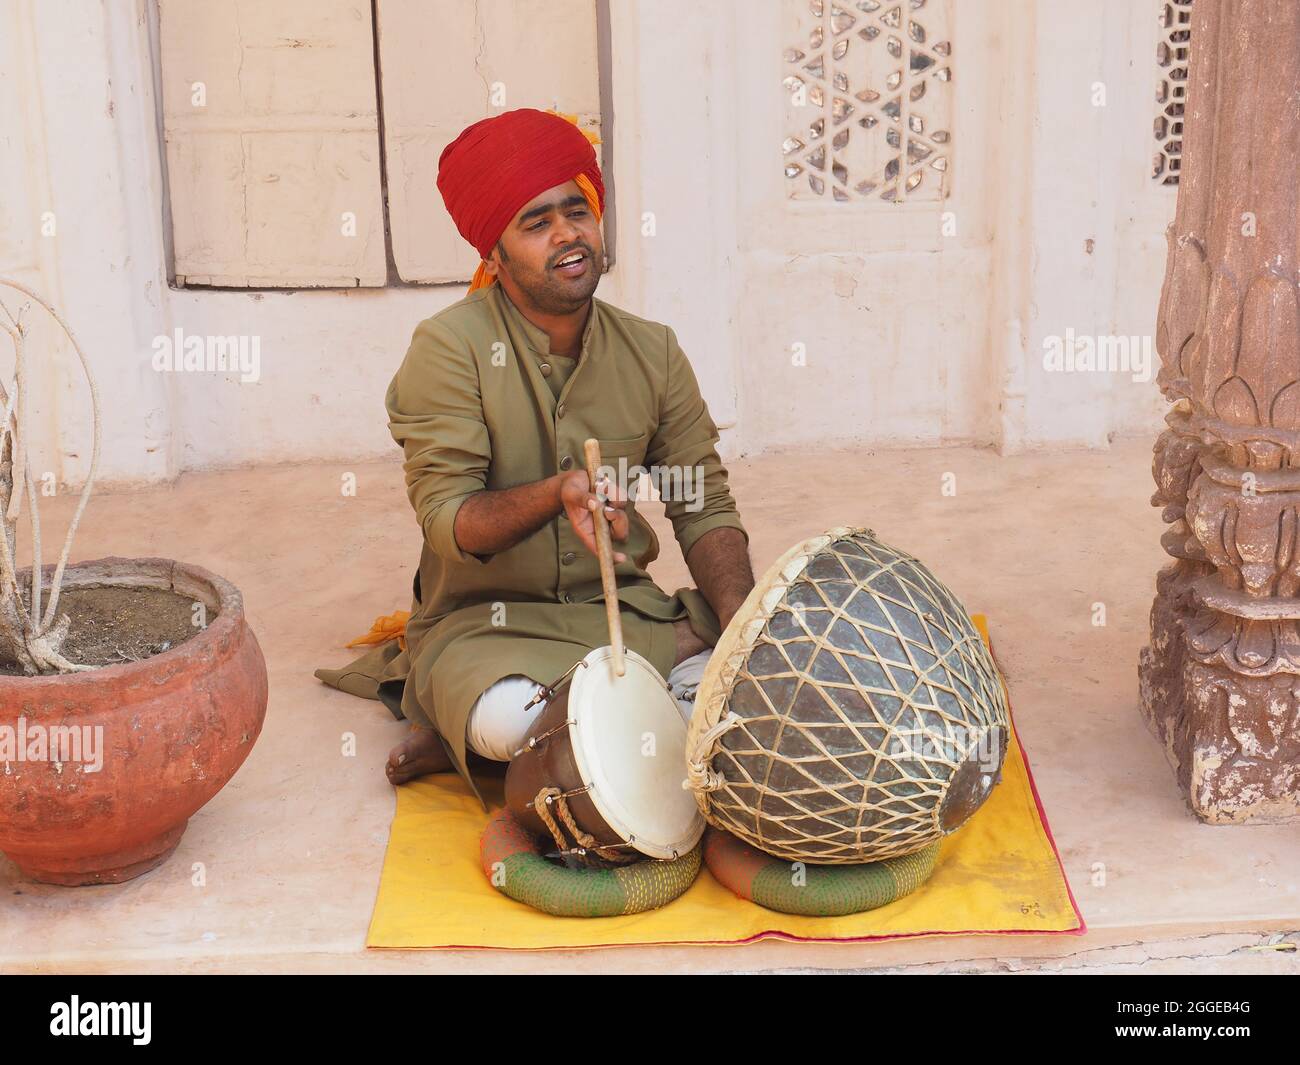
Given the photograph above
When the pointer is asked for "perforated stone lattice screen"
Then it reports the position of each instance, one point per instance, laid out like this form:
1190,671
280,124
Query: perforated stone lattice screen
1172,53
870,101
867,688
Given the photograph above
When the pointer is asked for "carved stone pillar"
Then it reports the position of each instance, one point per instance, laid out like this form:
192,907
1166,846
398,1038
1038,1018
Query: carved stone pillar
1220,680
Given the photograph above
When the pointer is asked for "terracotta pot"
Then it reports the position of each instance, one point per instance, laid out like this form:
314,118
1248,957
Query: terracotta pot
174,729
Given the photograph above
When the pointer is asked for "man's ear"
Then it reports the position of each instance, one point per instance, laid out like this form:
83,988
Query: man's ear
492,264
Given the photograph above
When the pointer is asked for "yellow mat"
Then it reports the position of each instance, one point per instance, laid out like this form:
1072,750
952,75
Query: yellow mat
998,874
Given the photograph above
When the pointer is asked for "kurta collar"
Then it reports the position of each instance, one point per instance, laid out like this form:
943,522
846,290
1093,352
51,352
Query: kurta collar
536,336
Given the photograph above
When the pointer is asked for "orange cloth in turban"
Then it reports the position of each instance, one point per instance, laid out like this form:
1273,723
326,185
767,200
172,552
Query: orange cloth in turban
488,173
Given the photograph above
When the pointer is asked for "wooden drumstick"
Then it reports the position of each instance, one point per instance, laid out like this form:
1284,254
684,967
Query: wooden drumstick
605,554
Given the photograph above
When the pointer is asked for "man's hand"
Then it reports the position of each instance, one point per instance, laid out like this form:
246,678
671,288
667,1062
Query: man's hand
580,504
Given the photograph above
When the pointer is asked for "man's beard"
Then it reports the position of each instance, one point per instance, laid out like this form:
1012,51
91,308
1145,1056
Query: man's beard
551,295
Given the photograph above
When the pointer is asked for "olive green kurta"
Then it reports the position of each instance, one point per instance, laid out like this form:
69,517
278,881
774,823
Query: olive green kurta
473,408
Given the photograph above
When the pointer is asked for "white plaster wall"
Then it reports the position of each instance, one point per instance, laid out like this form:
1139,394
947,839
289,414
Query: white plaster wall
892,314
78,140
1089,182
912,337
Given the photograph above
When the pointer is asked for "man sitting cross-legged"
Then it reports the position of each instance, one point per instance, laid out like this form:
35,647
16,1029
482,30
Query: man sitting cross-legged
491,406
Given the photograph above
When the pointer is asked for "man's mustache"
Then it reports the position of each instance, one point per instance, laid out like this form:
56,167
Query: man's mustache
569,251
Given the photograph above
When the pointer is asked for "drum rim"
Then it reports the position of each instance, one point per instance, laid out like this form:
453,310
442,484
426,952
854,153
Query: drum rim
577,745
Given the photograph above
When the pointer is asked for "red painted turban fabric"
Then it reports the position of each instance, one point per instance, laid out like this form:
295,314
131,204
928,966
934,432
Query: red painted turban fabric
489,172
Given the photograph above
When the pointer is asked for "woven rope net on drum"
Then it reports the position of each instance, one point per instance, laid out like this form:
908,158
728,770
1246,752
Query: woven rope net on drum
853,660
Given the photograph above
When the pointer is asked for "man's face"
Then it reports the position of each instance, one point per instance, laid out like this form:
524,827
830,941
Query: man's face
553,228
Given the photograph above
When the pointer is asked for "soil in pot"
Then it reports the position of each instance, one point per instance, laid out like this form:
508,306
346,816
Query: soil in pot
114,624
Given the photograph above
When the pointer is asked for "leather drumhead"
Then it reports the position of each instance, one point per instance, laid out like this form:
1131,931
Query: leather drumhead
629,741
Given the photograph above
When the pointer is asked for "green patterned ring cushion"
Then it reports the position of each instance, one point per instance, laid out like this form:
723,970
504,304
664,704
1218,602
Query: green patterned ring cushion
814,890
513,863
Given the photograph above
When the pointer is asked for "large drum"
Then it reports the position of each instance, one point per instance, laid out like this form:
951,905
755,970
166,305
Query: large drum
603,772
850,712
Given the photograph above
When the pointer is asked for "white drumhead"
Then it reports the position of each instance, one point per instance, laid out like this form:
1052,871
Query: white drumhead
614,722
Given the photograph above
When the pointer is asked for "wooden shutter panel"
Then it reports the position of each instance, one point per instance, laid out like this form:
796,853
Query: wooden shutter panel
274,174
439,63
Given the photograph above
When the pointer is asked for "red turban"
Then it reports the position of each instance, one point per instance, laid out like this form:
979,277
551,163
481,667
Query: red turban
488,173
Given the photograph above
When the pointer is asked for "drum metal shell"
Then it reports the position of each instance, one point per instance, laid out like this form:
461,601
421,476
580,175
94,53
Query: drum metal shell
635,797
551,765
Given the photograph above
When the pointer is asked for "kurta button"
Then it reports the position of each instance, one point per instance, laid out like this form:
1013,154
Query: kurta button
546,369
559,411
564,597
566,463
567,558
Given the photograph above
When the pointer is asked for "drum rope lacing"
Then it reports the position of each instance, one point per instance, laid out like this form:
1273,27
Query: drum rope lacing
582,841
700,775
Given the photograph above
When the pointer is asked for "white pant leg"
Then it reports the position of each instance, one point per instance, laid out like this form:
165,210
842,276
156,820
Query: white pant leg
684,679
498,723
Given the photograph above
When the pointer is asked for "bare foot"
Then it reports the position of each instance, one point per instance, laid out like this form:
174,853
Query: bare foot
419,754
688,643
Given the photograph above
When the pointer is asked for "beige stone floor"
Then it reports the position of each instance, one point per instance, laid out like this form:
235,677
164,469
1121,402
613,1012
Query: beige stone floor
293,845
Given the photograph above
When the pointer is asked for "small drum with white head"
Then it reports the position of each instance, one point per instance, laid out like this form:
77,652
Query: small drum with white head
603,772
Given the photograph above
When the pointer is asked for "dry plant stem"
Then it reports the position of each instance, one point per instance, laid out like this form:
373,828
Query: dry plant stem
36,542
35,639
20,470
19,434
13,423
14,617
14,621
84,498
